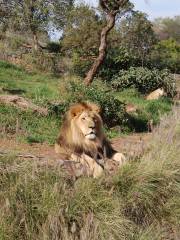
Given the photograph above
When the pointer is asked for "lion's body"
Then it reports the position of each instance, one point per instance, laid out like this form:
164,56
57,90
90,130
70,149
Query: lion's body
82,139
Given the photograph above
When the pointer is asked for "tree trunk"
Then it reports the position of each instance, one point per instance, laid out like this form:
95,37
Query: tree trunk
35,42
102,49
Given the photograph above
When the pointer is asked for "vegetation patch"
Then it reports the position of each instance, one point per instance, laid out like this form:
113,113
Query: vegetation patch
140,202
144,80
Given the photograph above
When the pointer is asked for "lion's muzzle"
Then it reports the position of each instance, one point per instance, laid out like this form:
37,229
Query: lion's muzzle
91,135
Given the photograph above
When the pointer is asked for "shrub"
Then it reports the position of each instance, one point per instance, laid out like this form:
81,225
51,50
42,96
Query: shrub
113,111
80,65
116,59
144,80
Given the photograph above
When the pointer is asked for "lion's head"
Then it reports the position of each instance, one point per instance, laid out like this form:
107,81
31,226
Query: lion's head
82,128
85,121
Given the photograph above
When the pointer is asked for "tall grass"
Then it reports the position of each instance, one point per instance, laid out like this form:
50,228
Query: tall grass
141,202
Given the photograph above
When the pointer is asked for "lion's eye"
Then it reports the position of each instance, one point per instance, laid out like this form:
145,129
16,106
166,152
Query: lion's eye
83,119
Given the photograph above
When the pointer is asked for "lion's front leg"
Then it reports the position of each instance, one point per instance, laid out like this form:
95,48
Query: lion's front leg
119,157
94,168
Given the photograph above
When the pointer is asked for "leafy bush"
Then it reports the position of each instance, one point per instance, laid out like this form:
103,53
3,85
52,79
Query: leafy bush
113,110
145,80
116,59
80,65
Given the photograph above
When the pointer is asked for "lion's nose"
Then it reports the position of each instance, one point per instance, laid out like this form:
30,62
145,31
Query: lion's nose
92,126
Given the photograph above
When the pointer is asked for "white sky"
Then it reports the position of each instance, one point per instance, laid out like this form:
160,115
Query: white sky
154,8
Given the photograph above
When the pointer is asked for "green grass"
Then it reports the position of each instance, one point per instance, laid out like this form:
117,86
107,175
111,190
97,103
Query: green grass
141,202
43,89
146,110
40,88
28,126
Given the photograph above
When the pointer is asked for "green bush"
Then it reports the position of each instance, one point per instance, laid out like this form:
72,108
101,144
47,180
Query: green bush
80,65
113,110
116,59
144,80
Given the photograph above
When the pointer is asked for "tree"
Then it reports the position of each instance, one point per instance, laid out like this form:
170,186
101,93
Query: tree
36,15
5,13
111,9
137,35
167,28
82,30
166,54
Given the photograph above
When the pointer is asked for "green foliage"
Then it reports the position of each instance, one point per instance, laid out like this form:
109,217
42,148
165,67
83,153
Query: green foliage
145,80
117,58
82,31
113,111
166,54
16,42
137,35
9,66
80,65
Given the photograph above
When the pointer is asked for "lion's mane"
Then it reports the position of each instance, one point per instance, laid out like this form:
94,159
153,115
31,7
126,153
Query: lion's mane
71,140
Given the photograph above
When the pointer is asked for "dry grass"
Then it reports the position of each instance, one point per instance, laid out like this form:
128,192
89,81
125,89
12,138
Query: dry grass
142,202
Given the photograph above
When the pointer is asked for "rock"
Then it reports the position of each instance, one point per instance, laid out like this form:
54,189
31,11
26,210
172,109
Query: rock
130,108
155,94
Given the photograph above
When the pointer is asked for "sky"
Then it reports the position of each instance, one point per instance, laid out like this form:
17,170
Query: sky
154,8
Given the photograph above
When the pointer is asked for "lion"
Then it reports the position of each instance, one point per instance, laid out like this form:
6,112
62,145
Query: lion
82,139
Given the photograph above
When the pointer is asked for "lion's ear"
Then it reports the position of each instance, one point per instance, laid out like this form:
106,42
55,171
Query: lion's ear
76,109
95,108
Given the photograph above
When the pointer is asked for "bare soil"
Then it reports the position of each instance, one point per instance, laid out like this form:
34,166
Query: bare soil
132,145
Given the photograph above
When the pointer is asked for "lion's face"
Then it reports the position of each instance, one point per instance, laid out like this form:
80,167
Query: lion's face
85,122
89,123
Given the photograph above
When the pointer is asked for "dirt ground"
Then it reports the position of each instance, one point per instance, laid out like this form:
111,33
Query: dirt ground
131,145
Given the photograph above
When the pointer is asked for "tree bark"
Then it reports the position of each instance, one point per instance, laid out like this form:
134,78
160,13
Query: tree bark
35,42
102,49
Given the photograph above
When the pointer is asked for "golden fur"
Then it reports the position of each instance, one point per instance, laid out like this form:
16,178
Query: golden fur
82,139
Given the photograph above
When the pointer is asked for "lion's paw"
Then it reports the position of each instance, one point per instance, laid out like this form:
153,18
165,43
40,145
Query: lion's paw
120,158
